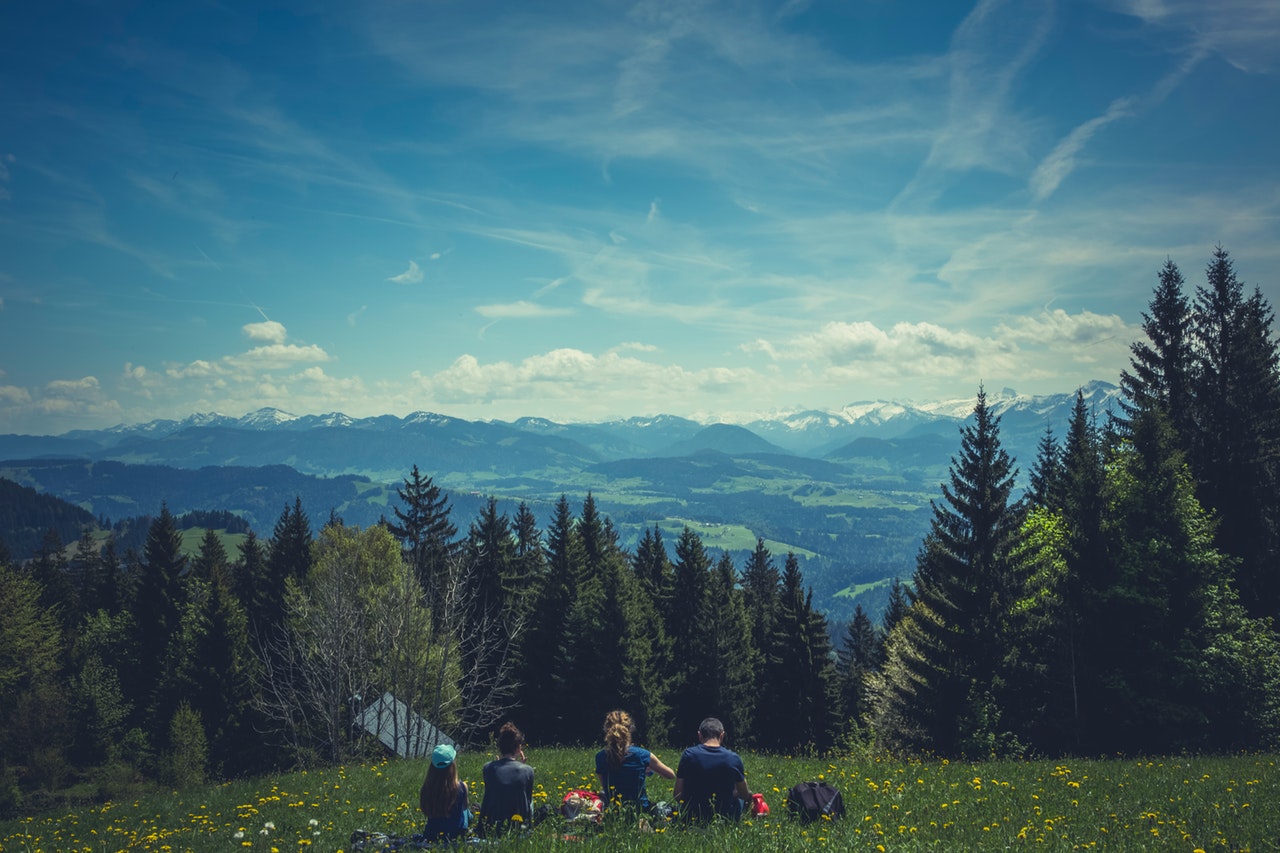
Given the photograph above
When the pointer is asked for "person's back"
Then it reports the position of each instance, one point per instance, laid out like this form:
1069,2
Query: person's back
443,798
622,767
508,783
710,779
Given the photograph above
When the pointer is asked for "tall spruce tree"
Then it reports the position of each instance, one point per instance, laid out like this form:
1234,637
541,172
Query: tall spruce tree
158,610
653,567
542,663
799,708
1160,368
493,623
426,534
1045,481
252,585
1237,404
1090,570
688,630
288,556
1171,602
943,680
730,674
857,657
760,582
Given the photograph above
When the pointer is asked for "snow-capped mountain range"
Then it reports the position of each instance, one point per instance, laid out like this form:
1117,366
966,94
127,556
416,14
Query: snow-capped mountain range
805,431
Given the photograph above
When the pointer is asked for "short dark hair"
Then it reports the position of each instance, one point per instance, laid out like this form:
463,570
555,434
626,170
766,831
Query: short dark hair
509,738
711,728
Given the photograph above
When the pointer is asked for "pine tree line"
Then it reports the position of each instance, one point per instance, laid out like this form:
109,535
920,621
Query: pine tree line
1128,601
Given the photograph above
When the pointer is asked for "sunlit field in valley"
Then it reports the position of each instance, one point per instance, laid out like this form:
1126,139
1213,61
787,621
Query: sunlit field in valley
1180,803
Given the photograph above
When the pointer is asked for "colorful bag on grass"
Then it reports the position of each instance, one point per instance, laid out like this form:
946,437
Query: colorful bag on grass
582,805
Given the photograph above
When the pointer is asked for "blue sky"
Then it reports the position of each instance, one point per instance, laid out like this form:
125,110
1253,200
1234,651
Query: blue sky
594,210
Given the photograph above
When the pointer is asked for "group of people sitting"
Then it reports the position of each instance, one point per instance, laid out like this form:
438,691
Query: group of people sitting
709,780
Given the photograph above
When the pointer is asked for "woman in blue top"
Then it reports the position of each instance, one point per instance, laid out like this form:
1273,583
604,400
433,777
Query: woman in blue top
624,767
443,798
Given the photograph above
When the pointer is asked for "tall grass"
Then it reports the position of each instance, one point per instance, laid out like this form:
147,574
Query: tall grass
1183,803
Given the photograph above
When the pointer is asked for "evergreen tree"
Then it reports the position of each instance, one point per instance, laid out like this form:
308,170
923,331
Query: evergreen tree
893,611
1237,404
1045,487
211,560
426,533
1161,366
857,658
493,622
732,658
799,709
760,581
1171,603
943,677
687,629
252,584
1042,660
530,563
212,668
653,567
33,724
84,572
159,601
541,648
50,568
104,649
1090,570
110,580
288,556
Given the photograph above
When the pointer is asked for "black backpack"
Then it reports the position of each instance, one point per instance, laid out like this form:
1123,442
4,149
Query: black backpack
811,800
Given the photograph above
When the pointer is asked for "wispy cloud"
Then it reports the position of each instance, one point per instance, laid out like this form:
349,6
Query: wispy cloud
413,275
1054,169
522,309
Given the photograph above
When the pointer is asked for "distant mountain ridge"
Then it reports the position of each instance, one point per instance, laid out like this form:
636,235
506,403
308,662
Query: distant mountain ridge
378,446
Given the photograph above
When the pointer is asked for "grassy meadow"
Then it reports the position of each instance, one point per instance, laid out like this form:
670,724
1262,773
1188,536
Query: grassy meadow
1182,803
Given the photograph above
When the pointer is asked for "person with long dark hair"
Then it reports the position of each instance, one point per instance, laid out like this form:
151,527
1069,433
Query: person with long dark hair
508,784
443,798
624,767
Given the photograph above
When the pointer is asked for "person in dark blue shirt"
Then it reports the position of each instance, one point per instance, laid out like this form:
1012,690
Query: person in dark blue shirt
710,779
623,767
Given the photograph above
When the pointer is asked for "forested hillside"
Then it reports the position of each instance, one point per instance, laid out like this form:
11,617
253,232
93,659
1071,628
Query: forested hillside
1126,602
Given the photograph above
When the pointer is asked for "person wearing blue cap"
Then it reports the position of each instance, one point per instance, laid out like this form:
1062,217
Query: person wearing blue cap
443,798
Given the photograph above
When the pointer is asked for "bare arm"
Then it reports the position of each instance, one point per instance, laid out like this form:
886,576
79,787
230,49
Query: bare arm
656,765
677,793
741,791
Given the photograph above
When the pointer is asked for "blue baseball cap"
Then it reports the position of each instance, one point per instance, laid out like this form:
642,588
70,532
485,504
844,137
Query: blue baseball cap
443,755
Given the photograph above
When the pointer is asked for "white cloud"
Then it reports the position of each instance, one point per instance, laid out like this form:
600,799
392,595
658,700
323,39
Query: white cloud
13,395
521,309
902,346
1054,169
597,382
413,275
278,355
268,330
634,346
73,387
1243,32
1057,328
355,315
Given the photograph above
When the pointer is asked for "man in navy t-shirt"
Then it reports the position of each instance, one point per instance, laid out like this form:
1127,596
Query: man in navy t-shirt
710,779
